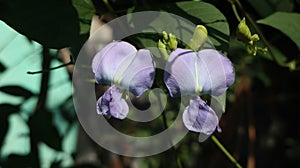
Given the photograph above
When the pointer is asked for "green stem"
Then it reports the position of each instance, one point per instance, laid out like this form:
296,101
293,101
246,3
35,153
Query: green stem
235,11
225,151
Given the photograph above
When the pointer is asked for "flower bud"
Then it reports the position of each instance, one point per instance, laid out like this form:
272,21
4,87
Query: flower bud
199,37
172,43
162,48
165,36
254,37
243,32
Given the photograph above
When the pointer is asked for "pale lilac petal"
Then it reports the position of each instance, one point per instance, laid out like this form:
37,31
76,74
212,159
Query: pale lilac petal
107,61
215,71
139,74
179,75
199,117
112,104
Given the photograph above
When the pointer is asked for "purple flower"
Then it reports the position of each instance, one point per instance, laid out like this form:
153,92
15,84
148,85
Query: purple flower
192,73
119,64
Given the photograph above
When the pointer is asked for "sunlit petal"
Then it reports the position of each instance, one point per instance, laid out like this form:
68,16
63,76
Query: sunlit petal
112,104
199,117
107,61
180,72
215,71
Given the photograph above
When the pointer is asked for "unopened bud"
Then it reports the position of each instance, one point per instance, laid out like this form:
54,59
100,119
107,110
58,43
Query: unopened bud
243,32
199,37
172,42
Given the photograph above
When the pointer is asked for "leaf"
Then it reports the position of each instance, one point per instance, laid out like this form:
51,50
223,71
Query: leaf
8,109
2,67
14,160
85,10
5,111
16,91
267,7
199,13
53,23
287,23
42,128
207,15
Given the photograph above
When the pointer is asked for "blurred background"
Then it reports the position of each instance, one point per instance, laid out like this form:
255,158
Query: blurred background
38,122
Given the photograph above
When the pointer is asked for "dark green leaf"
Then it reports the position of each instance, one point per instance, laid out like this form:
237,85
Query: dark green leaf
14,160
16,91
53,23
2,67
287,23
86,10
267,7
5,111
207,15
42,128
199,13
8,109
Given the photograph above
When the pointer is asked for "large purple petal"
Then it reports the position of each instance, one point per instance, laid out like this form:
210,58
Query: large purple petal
139,73
107,61
180,76
215,71
199,117
112,104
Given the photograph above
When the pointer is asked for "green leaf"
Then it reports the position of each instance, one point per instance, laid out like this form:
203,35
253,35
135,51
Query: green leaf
267,7
287,23
5,111
199,13
85,10
16,91
53,23
202,13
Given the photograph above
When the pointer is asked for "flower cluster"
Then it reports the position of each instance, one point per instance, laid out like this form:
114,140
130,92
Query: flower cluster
187,72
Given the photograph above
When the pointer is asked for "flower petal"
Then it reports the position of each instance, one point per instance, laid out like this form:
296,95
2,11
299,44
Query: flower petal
215,71
139,74
107,61
180,71
199,117
111,103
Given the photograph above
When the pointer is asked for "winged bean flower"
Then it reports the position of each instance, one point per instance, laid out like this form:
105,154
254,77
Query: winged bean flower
194,73
122,66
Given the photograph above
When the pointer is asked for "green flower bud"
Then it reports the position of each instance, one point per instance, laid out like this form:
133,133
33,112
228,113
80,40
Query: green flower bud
172,43
162,48
254,37
243,32
199,37
165,36
292,65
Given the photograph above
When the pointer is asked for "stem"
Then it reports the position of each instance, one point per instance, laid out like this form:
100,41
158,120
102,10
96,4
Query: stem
225,151
40,106
235,11
178,161
49,69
